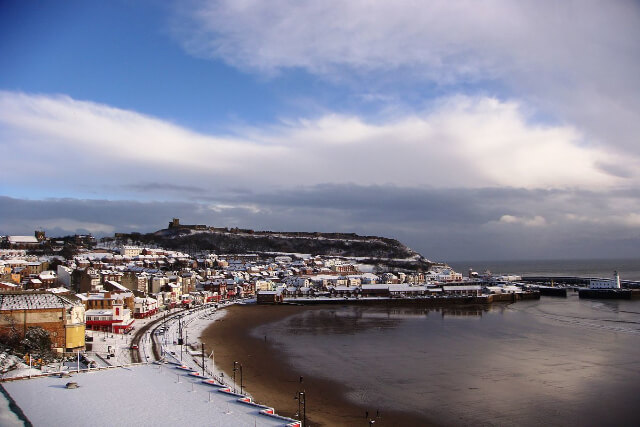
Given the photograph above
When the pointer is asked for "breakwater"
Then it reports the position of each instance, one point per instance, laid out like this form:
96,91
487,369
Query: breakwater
609,293
576,281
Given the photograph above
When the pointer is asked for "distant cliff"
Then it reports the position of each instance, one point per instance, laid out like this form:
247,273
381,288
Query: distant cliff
375,250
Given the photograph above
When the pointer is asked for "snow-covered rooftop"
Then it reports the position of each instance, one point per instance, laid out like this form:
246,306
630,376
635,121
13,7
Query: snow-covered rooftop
22,239
98,313
33,301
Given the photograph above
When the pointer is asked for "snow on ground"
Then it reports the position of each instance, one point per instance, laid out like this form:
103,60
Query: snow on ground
193,324
12,367
149,394
143,395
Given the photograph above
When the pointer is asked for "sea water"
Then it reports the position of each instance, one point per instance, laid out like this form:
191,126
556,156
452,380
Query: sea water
553,361
629,269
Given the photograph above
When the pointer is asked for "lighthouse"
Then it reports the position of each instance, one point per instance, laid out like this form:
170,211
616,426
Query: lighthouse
616,280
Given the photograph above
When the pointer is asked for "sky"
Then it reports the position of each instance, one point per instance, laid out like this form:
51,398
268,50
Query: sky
469,130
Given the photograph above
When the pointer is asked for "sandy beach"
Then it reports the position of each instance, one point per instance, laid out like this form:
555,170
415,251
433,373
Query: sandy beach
269,378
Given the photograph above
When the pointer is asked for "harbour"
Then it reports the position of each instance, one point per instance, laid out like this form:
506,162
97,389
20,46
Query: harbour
546,361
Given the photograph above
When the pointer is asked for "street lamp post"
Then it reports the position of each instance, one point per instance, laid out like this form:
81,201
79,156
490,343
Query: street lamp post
235,367
301,397
203,359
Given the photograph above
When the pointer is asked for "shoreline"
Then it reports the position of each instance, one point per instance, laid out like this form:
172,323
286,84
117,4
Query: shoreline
270,379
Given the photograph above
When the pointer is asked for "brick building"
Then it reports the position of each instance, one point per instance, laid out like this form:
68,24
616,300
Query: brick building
59,315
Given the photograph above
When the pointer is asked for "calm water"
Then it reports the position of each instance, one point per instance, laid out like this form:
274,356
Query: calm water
546,362
629,269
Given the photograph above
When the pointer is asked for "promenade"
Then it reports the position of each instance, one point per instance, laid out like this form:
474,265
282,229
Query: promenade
170,391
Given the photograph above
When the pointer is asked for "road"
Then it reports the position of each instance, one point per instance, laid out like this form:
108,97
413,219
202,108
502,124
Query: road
135,342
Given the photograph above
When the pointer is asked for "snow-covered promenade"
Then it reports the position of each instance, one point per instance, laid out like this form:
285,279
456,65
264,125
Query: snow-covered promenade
169,392
138,395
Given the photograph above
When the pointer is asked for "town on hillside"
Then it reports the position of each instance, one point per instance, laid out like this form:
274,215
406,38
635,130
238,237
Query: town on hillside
110,288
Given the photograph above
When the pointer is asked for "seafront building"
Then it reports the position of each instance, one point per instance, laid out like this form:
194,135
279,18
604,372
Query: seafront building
606,283
61,316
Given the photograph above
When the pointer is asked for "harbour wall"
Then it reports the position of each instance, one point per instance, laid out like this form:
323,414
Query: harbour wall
609,293
420,302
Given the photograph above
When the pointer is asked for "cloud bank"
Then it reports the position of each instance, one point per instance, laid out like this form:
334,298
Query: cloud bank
460,142
441,224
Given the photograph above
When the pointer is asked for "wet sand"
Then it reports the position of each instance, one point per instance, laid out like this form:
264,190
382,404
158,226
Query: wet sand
271,380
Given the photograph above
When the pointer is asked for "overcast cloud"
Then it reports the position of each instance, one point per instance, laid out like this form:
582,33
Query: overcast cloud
441,224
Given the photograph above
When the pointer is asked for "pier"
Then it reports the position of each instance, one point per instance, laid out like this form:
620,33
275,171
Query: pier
576,281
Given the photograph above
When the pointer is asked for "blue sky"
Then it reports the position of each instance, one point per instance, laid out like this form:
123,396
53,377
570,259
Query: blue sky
122,54
466,129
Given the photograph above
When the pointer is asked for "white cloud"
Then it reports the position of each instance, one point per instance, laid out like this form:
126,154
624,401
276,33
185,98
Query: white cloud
536,221
461,142
574,61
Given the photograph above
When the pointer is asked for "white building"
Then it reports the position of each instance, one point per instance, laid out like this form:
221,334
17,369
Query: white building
606,283
116,320
145,307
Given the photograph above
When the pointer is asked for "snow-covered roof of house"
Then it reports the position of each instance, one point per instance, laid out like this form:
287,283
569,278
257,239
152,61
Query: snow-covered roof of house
406,288
59,290
15,262
47,275
462,288
345,288
276,292
34,301
323,277
117,285
22,239
100,312
381,286
9,285
363,276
